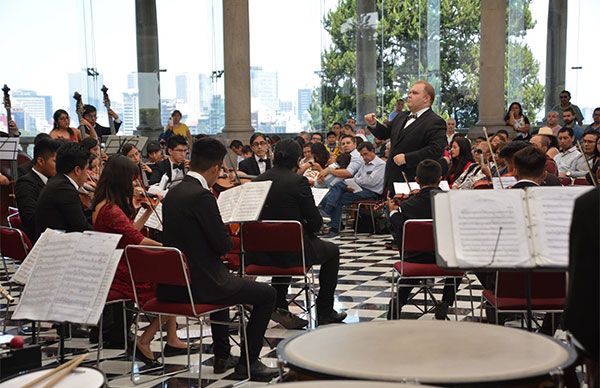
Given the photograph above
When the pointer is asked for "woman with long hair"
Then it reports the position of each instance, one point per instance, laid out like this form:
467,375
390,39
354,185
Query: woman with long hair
113,212
62,129
460,159
516,119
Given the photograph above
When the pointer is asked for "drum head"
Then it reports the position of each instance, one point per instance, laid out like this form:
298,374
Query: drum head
351,384
432,352
82,376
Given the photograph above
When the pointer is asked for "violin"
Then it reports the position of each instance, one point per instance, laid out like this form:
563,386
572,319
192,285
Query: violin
145,200
397,199
229,179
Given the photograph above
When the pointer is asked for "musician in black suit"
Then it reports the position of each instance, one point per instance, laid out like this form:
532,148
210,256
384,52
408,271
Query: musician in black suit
415,135
259,162
59,206
418,206
175,165
192,223
529,166
582,309
89,115
290,198
30,185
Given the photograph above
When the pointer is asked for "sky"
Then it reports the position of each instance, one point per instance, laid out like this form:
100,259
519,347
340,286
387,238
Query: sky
45,40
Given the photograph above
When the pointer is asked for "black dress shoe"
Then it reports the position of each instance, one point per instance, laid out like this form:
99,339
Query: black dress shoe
441,311
334,317
150,362
288,320
221,365
258,371
171,351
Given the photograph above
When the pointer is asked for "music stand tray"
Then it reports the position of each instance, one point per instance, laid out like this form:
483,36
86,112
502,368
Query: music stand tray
9,148
114,143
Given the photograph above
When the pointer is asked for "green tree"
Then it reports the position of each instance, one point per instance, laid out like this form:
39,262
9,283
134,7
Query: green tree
316,113
404,58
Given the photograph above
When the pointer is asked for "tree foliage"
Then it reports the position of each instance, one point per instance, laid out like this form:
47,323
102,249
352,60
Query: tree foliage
404,57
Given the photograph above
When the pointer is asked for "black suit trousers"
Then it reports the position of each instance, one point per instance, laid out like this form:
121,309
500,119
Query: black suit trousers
328,276
262,298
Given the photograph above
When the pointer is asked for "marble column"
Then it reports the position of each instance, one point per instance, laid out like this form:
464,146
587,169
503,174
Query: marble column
556,51
236,51
148,68
366,60
491,67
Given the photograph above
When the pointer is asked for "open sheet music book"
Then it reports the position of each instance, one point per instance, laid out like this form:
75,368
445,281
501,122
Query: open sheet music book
504,228
243,203
69,277
153,222
405,188
319,194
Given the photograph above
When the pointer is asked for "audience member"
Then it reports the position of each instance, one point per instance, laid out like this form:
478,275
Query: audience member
516,119
569,160
450,129
304,135
553,121
569,120
398,109
337,129
565,103
332,144
178,128
369,178
542,143
553,147
316,137
348,145
460,159
595,125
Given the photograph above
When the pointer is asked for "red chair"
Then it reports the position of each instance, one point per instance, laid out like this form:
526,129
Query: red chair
233,258
13,219
113,297
418,237
581,182
548,293
278,236
565,180
164,265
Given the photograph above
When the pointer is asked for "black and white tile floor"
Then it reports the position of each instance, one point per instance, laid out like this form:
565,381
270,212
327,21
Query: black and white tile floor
363,291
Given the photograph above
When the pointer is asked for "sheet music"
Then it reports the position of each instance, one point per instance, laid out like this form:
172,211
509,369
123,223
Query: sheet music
476,220
71,278
251,201
227,201
22,273
350,182
507,182
402,187
318,194
551,211
152,222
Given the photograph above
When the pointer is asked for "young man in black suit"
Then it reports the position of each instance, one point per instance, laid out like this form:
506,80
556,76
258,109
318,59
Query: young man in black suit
290,198
259,162
529,166
59,206
192,223
418,206
30,185
174,165
416,135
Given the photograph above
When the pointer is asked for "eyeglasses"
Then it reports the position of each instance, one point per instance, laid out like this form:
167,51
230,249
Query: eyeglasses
589,141
179,150
259,143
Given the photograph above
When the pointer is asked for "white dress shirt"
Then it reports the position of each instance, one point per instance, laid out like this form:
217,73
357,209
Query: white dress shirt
370,176
419,113
43,177
199,177
262,166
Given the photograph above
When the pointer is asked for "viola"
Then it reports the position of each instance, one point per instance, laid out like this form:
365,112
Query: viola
229,179
145,200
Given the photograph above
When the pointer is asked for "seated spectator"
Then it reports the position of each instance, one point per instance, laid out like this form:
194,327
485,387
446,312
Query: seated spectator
332,145
305,136
552,120
591,155
571,122
450,129
542,143
569,160
516,119
460,158
553,148
348,145
418,206
595,125
307,158
320,157
370,179
348,129
316,137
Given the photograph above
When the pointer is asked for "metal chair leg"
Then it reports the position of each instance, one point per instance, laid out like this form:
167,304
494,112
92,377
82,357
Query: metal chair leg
372,218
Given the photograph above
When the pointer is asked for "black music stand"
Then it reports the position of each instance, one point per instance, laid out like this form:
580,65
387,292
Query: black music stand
9,148
114,143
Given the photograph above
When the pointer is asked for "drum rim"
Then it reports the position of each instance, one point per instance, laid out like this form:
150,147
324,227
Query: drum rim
283,357
7,379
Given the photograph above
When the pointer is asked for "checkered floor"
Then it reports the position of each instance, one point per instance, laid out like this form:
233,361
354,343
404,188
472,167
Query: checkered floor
363,291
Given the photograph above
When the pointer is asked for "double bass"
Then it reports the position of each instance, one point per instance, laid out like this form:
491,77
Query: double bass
106,101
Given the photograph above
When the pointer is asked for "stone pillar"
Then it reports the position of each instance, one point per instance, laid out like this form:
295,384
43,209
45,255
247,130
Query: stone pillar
236,51
148,68
491,67
366,60
556,51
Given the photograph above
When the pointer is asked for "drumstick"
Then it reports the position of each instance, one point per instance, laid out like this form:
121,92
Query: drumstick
6,294
65,372
53,371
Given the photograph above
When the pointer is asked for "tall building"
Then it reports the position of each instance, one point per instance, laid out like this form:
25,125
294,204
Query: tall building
132,80
286,106
304,99
217,114
205,93
37,107
167,106
264,85
89,88
131,116
181,87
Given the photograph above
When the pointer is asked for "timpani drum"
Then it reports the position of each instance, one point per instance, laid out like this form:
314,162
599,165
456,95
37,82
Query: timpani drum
82,376
351,384
429,352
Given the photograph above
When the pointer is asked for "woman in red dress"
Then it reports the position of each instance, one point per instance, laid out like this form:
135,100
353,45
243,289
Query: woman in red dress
113,212
461,158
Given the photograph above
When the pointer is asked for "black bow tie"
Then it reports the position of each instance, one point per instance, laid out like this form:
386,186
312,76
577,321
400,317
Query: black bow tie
412,116
179,166
262,160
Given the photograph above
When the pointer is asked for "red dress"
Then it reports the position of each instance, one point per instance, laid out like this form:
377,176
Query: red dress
111,219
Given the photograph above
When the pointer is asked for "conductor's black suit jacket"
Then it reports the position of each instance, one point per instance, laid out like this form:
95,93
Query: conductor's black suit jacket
424,139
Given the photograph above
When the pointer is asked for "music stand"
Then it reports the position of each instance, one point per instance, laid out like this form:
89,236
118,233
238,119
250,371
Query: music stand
9,148
114,143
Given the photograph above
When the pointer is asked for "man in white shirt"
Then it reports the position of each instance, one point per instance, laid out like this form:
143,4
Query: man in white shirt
569,161
332,175
370,180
